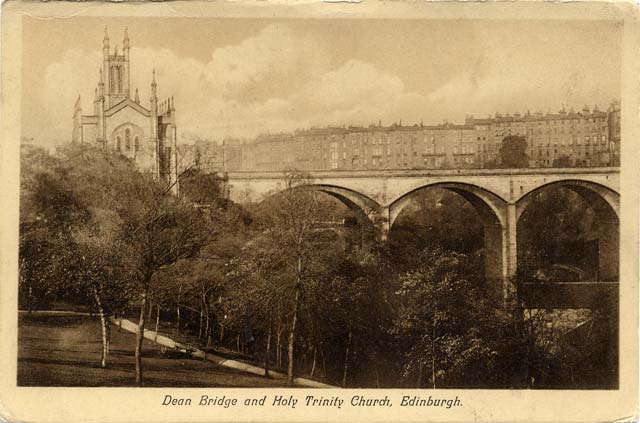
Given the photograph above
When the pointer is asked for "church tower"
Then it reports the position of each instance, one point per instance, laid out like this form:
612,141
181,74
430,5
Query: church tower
115,69
121,124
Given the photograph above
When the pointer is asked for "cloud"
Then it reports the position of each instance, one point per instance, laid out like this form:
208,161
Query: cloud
280,80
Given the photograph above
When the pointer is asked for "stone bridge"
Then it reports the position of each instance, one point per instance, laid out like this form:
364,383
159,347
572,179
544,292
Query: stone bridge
499,196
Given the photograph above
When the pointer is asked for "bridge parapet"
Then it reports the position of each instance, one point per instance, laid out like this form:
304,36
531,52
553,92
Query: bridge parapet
386,186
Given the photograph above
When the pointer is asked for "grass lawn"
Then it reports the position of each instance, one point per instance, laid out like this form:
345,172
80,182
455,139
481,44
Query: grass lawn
64,350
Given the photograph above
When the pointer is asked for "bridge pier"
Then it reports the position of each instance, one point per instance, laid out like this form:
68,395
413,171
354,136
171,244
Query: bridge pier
608,249
382,222
501,257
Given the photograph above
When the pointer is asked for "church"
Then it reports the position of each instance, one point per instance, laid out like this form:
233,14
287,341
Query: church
121,124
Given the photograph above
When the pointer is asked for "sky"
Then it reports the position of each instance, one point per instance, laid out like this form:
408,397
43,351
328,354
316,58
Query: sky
236,77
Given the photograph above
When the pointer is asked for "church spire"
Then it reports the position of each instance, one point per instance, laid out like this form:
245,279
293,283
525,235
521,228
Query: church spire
154,98
125,42
105,43
101,86
153,86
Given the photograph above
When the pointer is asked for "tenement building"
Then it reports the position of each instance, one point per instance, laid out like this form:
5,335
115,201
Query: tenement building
120,123
589,137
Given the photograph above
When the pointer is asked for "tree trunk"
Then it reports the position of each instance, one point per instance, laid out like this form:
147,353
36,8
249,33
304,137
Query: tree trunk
155,337
292,336
279,347
266,354
150,310
324,363
103,325
313,363
140,337
221,333
238,343
206,328
433,354
178,311
346,362
200,326
294,321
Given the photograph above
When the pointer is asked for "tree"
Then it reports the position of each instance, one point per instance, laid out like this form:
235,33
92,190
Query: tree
513,152
292,229
158,230
562,161
64,244
139,218
444,326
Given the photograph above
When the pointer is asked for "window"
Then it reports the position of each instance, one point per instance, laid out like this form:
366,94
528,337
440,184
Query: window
112,79
136,144
119,79
586,140
127,139
118,143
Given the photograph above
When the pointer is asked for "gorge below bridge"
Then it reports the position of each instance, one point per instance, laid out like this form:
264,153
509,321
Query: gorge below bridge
499,196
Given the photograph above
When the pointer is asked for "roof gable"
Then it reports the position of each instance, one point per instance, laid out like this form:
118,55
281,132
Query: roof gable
127,103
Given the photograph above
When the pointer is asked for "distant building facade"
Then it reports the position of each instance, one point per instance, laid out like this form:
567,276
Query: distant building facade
585,138
121,124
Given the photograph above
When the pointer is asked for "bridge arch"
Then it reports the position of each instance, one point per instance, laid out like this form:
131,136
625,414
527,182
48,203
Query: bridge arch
365,208
491,209
489,205
604,199
605,203
355,200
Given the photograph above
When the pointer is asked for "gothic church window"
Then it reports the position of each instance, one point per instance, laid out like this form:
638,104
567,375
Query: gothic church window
136,144
112,80
118,143
127,139
119,79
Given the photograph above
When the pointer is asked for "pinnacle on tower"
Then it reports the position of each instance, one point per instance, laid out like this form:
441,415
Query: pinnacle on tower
137,97
153,86
125,42
105,44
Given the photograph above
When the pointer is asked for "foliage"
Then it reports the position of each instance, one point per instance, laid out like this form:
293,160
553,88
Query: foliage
556,223
562,161
513,152
412,312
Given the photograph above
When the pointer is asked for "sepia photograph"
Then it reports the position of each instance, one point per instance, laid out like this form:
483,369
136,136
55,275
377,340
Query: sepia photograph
419,206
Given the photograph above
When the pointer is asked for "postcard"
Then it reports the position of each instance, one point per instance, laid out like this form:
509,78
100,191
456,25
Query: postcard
319,211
